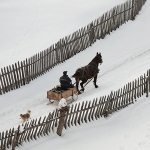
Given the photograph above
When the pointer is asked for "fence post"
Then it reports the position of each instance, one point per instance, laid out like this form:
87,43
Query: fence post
63,112
147,86
15,140
27,79
92,34
133,9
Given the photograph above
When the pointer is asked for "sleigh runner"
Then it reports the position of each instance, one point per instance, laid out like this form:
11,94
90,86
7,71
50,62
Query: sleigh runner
56,95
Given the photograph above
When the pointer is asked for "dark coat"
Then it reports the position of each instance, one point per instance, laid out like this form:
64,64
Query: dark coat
65,82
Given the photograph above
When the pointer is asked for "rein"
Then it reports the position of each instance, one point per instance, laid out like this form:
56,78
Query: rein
88,81
86,69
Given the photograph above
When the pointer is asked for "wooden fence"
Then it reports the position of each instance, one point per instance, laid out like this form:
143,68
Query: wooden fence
78,113
21,73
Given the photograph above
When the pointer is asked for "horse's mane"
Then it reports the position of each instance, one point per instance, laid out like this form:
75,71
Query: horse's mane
93,60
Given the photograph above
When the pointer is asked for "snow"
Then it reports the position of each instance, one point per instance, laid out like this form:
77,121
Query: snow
28,27
62,103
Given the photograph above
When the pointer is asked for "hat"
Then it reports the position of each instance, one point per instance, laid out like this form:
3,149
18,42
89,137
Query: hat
65,72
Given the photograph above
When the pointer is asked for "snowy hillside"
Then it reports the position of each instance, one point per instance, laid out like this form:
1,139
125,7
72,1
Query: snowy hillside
27,29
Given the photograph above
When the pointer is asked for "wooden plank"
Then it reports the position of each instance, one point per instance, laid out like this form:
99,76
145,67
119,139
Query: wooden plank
27,71
96,28
36,130
138,88
94,109
45,61
70,115
45,131
42,61
31,68
15,78
23,72
142,87
3,146
51,123
12,136
120,97
20,74
135,95
127,94
90,111
30,131
9,138
66,119
77,46
99,107
133,90
81,39
80,114
114,99
83,114
39,133
87,110
36,65
53,56
102,106
144,83
7,79
63,49
73,114
47,128
54,120
33,129
5,138
17,75
76,116
105,108
1,85
48,59
123,95
26,131
149,80
3,80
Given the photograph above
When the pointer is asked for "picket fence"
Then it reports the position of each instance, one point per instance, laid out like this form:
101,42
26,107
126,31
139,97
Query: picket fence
78,113
21,73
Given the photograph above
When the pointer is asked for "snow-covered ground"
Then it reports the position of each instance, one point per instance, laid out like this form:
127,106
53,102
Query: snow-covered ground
28,27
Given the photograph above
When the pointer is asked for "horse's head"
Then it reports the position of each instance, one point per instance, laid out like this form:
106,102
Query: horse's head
99,58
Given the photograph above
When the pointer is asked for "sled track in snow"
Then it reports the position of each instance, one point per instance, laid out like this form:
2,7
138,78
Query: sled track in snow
145,53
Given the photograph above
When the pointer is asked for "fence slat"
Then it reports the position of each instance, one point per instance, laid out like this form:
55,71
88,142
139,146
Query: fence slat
4,80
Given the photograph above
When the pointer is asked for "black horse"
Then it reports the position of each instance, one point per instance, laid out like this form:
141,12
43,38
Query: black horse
87,72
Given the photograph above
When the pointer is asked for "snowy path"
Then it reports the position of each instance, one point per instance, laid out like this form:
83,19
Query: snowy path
112,79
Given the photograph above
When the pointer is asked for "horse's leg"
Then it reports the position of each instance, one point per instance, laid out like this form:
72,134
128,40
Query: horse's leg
77,83
81,84
95,79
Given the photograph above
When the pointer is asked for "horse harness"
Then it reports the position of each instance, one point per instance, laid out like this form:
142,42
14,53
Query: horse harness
86,70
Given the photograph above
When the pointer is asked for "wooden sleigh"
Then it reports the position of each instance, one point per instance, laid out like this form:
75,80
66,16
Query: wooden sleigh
56,95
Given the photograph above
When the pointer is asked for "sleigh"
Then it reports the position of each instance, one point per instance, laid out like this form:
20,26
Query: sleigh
56,95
